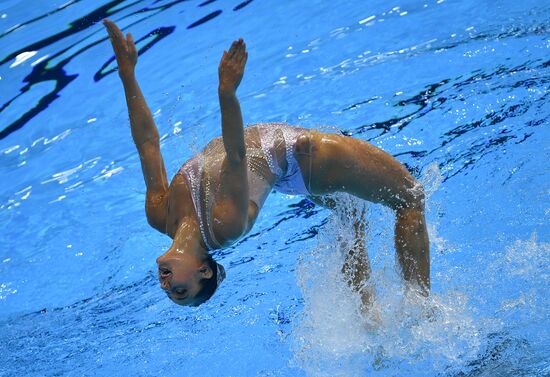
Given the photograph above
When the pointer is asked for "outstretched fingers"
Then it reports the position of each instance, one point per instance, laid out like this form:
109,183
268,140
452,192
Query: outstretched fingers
130,44
241,52
115,34
242,55
232,64
237,51
123,46
244,58
232,50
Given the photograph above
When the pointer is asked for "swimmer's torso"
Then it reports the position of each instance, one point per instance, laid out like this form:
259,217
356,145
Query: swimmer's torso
194,187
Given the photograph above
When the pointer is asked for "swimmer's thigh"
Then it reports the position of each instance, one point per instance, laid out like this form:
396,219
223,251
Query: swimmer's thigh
332,163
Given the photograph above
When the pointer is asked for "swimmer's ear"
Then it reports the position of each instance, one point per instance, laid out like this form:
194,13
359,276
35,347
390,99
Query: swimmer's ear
205,271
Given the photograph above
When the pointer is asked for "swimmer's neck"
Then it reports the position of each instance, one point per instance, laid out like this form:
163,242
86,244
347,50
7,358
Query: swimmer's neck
188,238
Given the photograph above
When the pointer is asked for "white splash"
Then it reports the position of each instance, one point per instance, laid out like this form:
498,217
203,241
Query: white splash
401,331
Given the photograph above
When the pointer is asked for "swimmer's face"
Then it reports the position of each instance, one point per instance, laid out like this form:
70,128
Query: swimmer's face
180,276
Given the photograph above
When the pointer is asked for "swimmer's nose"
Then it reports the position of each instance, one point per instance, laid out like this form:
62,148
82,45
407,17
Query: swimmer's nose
164,284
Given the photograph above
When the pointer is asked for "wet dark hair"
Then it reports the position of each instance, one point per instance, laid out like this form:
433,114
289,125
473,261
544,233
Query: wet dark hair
208,286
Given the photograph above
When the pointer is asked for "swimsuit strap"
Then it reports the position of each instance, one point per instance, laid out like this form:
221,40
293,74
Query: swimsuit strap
268,138
200,194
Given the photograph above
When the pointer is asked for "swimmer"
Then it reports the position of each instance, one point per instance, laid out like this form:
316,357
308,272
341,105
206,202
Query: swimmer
216,196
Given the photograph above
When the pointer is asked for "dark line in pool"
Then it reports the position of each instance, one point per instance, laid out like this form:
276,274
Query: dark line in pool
205,19
427,101
206,3
306,235
413,154
358,104
56,74
41,72
242,5
240,261
431,98
83,23
59,9
161,7
76,26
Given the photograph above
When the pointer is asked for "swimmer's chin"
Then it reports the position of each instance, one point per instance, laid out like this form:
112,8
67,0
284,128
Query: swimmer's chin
192,304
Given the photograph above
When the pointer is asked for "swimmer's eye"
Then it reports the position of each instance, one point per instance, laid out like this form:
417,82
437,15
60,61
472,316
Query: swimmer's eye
164,273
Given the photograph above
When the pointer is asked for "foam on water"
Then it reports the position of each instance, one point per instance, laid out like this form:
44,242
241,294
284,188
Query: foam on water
450,332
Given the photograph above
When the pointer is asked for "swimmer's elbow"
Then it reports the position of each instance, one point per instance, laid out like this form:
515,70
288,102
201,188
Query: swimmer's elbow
415,196
157,224
155,211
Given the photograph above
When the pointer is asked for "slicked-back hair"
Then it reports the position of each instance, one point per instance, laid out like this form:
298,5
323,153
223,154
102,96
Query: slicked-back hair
208,286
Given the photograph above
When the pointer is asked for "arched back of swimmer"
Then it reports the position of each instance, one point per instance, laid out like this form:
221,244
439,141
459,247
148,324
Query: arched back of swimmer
216,196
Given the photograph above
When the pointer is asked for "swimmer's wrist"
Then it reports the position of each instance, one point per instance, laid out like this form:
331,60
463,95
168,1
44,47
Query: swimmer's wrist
226,92
127,75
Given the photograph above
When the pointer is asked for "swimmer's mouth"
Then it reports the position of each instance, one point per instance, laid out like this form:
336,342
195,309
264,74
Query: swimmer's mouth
179,299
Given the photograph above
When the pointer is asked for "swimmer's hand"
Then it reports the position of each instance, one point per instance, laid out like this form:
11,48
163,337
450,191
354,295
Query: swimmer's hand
231,67
124,48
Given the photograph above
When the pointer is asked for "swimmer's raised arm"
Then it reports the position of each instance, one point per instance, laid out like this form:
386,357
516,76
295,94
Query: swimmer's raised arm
230,74
144,130
230,210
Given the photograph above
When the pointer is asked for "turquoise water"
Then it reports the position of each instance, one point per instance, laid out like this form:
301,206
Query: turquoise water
456,90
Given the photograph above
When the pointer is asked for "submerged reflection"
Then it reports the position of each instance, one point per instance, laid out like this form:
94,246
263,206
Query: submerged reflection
46,69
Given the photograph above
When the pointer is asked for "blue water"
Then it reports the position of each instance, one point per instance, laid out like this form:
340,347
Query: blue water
456,90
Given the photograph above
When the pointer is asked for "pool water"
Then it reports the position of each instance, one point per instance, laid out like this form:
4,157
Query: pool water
456,90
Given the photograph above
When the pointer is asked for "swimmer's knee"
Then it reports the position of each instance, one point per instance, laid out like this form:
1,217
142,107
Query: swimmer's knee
413,197
418,197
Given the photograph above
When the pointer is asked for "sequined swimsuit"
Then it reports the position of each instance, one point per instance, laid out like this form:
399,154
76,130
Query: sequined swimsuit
202,171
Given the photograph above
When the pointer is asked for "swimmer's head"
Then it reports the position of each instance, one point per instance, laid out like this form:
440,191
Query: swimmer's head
189,278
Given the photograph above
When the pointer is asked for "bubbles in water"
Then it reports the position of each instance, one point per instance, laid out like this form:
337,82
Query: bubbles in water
431,179
332,329
479,323
402,331
520,276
